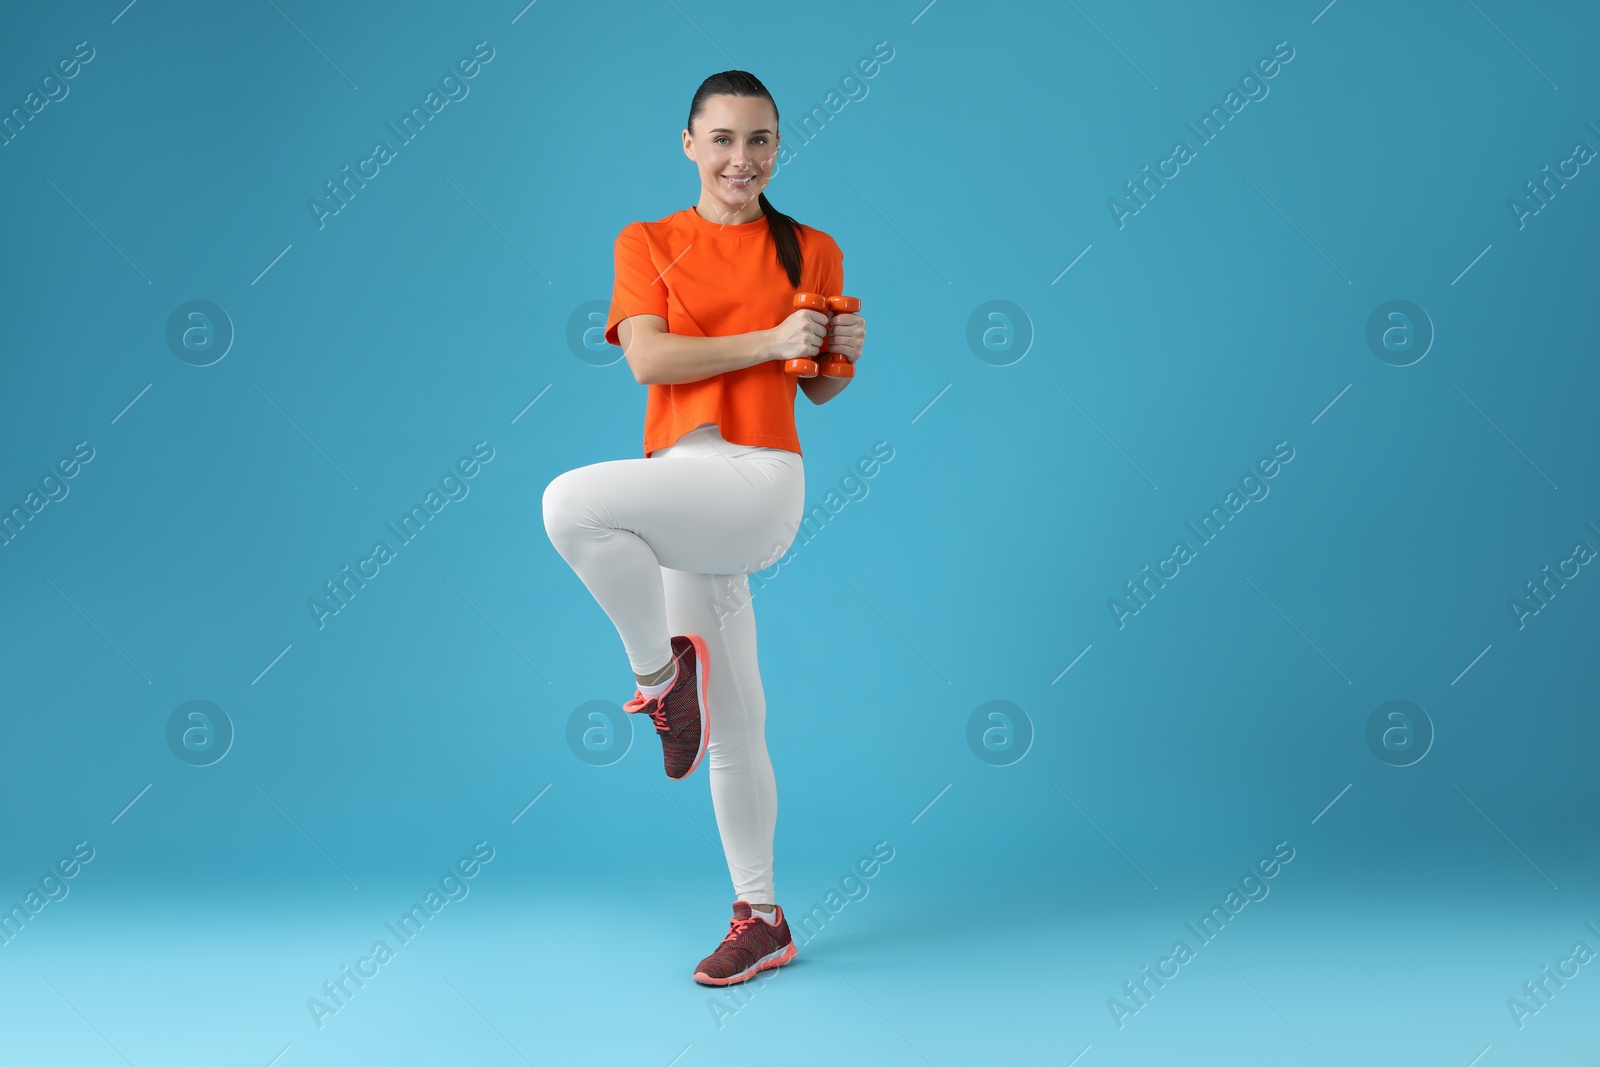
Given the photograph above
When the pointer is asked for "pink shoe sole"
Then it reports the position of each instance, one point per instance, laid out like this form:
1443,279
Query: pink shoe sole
701,673
776,959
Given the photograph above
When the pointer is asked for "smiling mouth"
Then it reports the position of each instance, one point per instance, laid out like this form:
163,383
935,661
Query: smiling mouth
745,182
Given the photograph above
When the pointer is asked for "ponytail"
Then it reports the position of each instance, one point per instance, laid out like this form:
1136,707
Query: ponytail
785,238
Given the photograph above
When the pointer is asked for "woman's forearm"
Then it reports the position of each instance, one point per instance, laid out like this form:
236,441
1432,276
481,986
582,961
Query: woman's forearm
673,359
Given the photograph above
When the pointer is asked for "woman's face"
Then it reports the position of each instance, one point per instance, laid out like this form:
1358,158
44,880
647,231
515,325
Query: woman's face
734,136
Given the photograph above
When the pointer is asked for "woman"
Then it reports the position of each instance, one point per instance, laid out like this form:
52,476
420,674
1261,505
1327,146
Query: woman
665,543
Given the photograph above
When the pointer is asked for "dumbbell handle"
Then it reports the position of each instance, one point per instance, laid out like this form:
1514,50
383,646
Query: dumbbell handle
831,364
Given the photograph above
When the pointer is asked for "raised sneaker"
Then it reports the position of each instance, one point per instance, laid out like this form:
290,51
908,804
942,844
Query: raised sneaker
680,714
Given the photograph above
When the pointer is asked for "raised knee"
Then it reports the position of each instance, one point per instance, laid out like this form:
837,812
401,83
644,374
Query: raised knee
558,503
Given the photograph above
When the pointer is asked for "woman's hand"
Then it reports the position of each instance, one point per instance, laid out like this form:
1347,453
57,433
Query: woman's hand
846,334
796,337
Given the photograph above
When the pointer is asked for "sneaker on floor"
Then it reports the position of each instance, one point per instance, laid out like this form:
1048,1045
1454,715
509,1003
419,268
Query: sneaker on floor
680,714
752,945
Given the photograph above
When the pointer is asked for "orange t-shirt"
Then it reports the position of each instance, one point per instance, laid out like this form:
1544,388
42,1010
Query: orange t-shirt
708,280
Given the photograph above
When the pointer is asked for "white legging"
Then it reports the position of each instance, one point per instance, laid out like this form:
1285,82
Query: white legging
665,545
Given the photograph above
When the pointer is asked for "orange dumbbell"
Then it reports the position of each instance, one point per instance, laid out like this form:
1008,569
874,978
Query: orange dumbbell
831,364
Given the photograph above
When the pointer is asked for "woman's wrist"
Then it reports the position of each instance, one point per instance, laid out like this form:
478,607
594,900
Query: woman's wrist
763,347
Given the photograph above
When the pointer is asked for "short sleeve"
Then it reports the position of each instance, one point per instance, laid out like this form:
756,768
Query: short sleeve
638,289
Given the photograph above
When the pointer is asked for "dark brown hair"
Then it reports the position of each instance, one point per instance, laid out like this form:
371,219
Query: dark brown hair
743,83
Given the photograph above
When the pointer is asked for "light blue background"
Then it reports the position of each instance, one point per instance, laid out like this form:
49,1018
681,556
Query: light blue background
976,165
